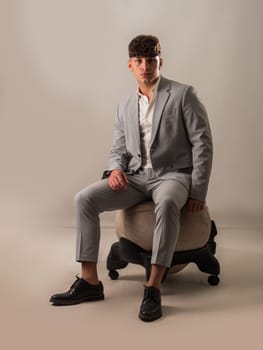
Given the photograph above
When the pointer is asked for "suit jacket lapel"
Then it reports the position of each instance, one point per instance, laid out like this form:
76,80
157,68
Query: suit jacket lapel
134,126
161,99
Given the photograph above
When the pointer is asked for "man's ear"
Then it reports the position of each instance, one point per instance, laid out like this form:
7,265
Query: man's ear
129,65
161,63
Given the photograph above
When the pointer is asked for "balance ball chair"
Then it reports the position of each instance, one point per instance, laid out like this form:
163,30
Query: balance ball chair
135,227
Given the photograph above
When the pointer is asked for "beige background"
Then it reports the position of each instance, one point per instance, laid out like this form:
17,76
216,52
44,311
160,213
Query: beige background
62,73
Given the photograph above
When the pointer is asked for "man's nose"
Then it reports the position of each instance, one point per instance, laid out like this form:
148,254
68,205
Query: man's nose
145,65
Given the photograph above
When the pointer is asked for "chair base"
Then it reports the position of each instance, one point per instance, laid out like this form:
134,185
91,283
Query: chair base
124,252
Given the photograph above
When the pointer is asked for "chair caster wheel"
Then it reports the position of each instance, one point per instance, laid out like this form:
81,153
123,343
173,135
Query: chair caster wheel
213,280
113,274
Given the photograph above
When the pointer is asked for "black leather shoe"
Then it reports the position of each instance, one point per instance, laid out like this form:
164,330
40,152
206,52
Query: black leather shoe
79,292
150,308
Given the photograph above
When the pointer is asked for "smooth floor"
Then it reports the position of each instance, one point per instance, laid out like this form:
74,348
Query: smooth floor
38,260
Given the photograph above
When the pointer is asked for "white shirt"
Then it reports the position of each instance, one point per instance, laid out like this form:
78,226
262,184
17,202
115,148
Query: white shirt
146,110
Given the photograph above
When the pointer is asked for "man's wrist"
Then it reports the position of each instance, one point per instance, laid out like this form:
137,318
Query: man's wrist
107,173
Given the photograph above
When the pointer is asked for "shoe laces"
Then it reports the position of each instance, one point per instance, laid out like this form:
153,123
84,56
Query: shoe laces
75,282
151,293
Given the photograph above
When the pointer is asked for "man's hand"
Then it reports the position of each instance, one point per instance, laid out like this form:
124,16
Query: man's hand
117,180
194,205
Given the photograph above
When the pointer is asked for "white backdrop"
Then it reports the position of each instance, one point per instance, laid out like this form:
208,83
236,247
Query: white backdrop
63,69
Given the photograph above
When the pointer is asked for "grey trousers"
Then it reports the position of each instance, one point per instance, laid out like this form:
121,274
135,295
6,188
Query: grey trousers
169,196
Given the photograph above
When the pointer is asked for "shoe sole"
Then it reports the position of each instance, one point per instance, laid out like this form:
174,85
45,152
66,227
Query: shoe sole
78,301
149,318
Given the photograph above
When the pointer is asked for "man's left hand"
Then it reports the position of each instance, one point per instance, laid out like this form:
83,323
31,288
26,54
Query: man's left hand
194,205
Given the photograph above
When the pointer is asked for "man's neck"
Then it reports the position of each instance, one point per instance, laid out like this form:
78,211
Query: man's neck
147,89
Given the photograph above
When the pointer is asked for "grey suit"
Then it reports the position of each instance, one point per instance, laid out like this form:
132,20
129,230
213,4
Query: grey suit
181,139
181,156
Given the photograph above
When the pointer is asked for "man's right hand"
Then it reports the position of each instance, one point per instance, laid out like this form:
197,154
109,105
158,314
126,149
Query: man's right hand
117,180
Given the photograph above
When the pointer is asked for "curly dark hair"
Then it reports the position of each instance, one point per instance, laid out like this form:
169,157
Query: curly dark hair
144,46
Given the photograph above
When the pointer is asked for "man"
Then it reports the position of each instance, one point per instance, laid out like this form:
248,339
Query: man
162,149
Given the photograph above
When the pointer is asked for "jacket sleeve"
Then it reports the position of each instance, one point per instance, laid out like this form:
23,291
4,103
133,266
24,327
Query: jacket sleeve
199,134
118,154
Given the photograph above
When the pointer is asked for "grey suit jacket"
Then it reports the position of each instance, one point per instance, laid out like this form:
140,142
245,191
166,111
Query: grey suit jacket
181,141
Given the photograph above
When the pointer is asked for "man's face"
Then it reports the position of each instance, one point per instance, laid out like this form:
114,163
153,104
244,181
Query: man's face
146,70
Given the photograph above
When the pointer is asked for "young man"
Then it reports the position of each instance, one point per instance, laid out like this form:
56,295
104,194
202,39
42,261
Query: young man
162,149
